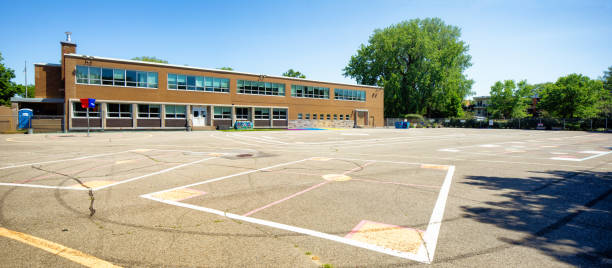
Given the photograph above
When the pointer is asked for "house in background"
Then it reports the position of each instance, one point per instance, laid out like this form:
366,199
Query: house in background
480,105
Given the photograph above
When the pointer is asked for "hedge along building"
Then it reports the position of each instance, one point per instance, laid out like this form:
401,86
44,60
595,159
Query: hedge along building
144,95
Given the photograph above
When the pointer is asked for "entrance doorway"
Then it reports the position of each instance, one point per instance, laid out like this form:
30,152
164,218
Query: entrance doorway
199,116
361,118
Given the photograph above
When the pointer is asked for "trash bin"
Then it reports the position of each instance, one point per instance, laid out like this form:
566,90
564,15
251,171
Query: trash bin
398,124
25,118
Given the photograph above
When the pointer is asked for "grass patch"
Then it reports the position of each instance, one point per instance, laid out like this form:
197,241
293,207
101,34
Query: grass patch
308,253
327,265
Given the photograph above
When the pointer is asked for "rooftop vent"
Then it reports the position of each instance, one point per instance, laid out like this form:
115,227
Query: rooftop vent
68,36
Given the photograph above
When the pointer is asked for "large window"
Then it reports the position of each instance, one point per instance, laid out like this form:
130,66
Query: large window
279,113
197,83
148,110
115,77
349,94
223,113
116,110
175,111
242,113
260,88
78,111
309,92
262,113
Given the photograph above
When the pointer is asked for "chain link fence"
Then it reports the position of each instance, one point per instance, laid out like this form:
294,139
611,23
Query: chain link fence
585,124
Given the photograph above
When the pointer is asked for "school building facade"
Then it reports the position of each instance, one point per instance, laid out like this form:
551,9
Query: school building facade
145,95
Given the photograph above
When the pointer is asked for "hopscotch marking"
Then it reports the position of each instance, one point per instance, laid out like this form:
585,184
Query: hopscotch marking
106,185
425,253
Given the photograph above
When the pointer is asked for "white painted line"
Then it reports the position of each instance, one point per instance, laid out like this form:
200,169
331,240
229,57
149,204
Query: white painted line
452,150
430,239
405,255
225,177
580,159
424,255
41,186
63,160
153,174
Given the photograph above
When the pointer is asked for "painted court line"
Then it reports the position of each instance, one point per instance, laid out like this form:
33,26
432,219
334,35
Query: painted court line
63,160
581,159
56,249
108,185
224,177
154,173
285,199
406,255
425,252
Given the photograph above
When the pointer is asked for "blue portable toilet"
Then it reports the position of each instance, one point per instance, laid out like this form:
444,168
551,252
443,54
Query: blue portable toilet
25,118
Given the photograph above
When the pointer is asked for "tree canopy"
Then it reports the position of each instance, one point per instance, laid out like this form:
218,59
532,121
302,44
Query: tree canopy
509,99
150,59
292,73
226,68
420,64
574,95
7,88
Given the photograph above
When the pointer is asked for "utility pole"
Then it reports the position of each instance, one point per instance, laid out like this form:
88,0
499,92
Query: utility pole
25,70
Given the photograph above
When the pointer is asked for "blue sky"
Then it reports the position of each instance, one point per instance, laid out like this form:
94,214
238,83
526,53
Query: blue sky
534,40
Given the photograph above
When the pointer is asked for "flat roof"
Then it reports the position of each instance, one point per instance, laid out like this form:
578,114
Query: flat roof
37,100
211,70
48,64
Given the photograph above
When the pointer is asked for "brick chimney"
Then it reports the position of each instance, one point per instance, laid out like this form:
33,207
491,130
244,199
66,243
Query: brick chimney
67,47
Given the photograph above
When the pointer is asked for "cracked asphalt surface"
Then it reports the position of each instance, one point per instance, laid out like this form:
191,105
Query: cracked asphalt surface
517,198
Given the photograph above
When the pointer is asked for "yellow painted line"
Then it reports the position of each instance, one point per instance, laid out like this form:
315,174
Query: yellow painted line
56,249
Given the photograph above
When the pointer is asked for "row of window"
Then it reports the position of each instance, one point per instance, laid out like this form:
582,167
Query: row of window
115,77
121,110
260,88
309,92
324,116
242,113
133,78
197,83
349,94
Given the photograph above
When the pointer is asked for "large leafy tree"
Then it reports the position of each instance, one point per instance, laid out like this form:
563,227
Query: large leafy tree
292,73
420,64
150,59
226,68
574,95
509,99
7,88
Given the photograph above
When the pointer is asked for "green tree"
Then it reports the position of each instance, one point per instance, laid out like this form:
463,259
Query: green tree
21,90
509,99
292,73
226,68
150,59
7,88
574,95
420,64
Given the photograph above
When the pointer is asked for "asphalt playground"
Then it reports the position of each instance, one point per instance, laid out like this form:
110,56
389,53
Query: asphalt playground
307,198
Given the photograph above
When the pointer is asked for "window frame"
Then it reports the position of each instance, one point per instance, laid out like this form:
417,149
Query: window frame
120,114
111,77
148,112
76,111
222,115
173,114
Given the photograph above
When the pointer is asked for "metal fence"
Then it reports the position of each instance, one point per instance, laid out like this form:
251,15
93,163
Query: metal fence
588,124
39,123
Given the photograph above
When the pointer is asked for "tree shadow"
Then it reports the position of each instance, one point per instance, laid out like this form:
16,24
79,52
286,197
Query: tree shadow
565,214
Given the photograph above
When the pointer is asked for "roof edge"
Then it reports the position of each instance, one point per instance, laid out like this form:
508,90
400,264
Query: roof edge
48,64
212,70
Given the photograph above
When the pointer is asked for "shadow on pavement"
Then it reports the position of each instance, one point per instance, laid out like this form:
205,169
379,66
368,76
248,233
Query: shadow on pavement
565,214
